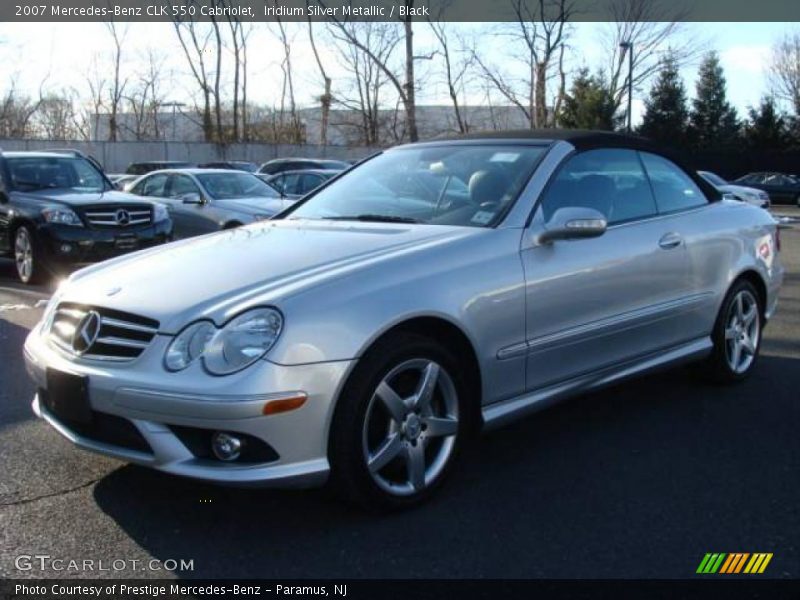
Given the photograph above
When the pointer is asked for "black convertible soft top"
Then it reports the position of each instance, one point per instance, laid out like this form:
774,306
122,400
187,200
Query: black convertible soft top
586,139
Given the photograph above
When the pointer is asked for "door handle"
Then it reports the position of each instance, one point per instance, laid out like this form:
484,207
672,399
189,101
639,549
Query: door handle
670,240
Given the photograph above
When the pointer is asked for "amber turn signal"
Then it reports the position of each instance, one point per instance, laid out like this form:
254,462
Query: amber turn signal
274,407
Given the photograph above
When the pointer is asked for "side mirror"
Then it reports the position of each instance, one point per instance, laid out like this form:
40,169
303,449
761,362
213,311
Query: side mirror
192,198
572,223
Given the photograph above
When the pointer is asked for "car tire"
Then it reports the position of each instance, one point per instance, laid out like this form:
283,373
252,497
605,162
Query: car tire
26,256
394,439
737,334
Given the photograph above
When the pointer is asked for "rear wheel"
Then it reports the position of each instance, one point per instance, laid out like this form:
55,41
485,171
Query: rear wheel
26,256
737,334
400,424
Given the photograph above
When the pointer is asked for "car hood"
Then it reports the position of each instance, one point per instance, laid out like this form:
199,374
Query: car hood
253,206
73,198
218,275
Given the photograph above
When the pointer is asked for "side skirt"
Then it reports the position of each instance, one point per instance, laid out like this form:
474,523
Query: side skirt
501,413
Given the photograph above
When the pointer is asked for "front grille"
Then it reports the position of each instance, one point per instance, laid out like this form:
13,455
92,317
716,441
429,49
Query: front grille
120,336
118,216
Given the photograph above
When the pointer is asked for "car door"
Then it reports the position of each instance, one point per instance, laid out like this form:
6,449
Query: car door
193,212
597,302
5,217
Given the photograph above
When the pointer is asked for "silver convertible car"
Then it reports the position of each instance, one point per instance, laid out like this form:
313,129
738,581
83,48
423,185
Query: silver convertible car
367,332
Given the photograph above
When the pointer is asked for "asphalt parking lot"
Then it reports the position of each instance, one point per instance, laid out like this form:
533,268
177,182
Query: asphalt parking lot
638,481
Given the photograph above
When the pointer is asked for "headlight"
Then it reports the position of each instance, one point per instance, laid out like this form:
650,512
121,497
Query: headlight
160,213
241,342
62,216
188,345
262,217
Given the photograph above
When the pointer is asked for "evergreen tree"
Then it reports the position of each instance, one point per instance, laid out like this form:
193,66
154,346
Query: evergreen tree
588,105
666,110
766,128
713,122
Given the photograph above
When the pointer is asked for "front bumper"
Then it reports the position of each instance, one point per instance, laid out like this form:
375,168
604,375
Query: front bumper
64,245
158,403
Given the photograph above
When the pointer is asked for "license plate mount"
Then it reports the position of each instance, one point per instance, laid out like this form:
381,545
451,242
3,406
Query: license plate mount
67,396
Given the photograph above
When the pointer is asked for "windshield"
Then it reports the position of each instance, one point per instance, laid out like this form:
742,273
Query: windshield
226,186
31,173
454,184
713,178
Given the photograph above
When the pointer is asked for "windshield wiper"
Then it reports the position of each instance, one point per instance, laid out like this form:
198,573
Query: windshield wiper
35,185
374,218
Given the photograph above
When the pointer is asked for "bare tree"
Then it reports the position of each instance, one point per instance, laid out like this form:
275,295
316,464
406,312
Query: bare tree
118,83
16,112
56,116
362,90
145,97
326,98
784,71
405,85
537,36
96,83
291,128
455,67
650,27
194,41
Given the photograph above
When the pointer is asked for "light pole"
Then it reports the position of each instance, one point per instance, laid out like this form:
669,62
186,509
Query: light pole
175,105
628,47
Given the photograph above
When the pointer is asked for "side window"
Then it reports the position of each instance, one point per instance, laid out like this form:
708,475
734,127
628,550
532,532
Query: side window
290,183
278,182
151,186
672,187
611,181
180,185
309,182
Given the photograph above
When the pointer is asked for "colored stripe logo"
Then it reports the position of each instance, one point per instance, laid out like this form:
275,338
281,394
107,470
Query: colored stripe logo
733,563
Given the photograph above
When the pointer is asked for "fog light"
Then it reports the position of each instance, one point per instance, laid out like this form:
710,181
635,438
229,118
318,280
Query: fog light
66,248
225,446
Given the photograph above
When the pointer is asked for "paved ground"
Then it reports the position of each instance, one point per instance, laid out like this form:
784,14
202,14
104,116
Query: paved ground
637,481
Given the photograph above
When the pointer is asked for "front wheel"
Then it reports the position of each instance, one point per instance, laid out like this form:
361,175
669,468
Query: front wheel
26,256
737,334
401,421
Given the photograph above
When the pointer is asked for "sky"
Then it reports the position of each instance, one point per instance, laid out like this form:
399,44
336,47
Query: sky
56,56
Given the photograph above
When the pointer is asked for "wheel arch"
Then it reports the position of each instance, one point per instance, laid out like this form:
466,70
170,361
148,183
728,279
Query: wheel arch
757,280
441,330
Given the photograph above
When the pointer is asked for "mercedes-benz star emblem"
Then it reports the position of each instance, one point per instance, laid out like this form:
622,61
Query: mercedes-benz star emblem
86,333
123,218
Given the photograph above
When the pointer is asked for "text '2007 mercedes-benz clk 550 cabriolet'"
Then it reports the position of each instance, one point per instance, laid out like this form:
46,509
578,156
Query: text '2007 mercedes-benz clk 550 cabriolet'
362,336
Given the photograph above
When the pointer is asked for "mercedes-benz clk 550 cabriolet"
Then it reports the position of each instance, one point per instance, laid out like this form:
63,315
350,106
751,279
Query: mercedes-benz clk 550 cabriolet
367,332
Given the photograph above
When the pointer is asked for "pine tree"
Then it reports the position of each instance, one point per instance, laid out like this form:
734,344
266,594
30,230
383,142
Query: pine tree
767,128
588,105
713,122
666,116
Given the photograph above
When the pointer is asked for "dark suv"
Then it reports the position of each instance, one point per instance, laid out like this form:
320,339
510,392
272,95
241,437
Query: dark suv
58,209
279,165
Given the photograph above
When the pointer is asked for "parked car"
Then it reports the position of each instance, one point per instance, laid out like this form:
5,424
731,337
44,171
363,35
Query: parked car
58,210
141,168
363,335
738,192
296,184
279,165
205,200
782,189
122,181
236,165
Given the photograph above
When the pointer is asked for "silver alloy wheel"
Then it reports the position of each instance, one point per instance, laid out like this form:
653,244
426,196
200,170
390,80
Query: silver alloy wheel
742,332
23,254
410,427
